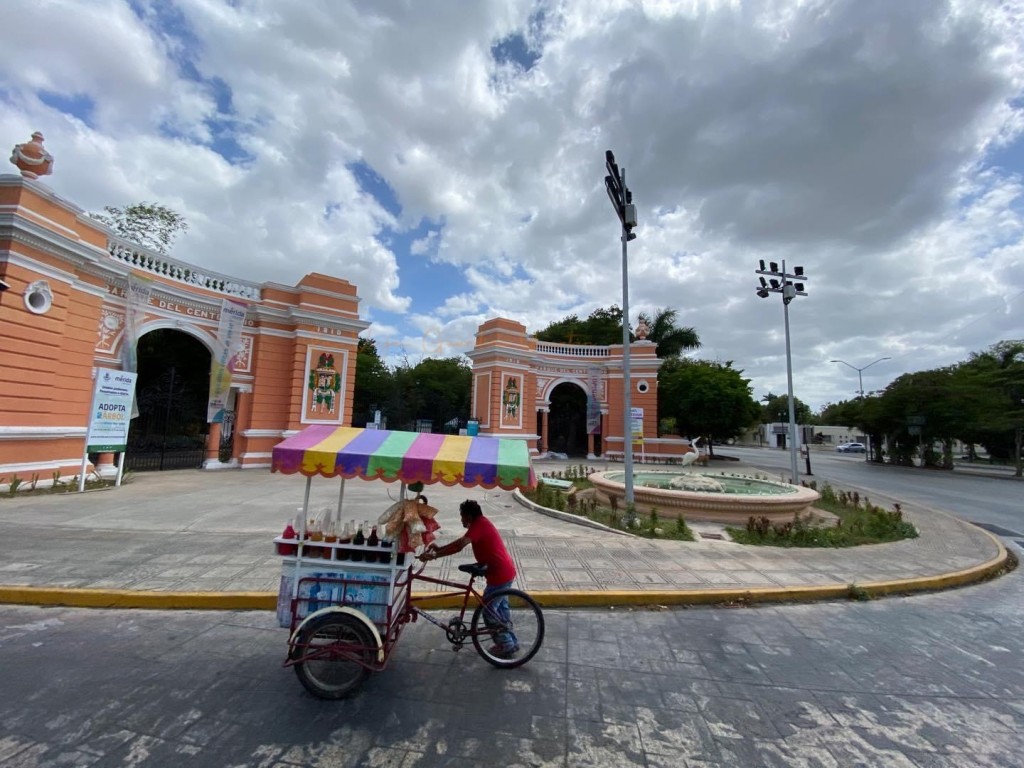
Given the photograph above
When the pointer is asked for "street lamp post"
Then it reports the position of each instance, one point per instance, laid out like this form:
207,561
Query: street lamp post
783,283
622,202
860,390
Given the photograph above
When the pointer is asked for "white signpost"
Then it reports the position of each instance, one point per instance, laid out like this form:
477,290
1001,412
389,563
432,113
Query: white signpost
109,418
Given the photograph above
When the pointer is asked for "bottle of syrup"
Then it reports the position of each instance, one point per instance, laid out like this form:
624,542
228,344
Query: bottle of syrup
289,533
344,539
359,541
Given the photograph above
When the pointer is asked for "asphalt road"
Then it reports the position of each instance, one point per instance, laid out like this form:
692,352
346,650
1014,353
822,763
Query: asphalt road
996,501
921,682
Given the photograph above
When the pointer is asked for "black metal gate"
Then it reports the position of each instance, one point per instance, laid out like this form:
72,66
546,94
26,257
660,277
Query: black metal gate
169,432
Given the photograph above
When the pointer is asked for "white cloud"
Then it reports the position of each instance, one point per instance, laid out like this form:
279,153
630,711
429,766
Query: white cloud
848,137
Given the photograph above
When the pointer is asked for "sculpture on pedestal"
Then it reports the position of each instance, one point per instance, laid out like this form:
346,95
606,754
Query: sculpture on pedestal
32,158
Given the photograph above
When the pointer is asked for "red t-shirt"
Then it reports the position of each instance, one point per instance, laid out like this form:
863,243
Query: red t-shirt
488,548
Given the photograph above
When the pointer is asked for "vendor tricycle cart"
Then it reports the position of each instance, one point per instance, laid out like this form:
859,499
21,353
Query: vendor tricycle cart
346,603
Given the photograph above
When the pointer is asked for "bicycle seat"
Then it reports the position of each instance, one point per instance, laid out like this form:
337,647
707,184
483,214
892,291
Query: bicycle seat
475,569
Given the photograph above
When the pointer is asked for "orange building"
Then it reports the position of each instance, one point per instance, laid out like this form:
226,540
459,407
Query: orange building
63,311
542,392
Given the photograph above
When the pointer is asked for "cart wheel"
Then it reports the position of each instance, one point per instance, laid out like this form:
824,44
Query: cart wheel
491,625
338,651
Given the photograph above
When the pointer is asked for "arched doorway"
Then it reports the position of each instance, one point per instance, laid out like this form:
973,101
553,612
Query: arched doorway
172,393
567,420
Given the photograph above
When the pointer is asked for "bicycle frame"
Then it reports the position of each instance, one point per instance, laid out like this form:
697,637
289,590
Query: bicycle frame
458,588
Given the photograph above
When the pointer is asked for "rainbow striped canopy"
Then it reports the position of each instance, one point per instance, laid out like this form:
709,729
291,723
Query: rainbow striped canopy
412,457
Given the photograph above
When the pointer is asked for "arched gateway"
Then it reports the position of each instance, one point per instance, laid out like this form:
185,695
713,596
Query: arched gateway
548,394
64,305
72,295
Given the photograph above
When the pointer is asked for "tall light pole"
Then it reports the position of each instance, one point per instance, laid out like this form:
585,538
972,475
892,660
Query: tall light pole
860,391
860,371
622,202
783,283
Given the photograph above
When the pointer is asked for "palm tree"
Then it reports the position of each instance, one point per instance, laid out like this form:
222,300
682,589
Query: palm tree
671,339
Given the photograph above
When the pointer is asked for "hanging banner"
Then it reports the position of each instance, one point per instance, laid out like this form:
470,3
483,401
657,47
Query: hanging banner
225,357
140,289
111,411
593,404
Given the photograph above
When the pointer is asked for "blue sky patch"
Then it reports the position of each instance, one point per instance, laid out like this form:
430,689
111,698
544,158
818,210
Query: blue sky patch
77,105
374,185
515,50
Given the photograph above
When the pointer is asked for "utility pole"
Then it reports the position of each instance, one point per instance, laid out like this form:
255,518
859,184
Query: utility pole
622,202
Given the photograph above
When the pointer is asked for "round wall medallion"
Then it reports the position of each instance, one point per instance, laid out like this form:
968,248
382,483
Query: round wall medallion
642,387
38,297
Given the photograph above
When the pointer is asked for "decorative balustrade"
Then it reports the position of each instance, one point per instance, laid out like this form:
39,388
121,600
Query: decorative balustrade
145,260
571,350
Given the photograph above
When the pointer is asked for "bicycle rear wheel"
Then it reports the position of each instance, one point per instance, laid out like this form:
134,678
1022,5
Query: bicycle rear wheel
490,629
338,651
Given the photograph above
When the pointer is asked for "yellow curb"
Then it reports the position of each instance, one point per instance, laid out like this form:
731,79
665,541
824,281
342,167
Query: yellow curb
126,598
267,601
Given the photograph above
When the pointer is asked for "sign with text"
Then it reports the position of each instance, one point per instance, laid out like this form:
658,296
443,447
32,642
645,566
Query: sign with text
111,411
636,417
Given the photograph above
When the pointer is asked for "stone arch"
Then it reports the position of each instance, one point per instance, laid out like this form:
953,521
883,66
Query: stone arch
554,383
567,414
172,392
175,324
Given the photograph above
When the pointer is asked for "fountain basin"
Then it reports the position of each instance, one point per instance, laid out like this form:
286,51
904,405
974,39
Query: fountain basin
708,496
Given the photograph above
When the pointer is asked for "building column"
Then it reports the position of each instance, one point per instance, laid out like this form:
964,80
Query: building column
546,432
212,446
243,412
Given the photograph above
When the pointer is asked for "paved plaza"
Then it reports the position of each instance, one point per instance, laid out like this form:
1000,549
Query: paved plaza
204,540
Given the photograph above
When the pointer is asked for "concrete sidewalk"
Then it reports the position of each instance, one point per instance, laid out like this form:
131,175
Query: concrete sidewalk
193,539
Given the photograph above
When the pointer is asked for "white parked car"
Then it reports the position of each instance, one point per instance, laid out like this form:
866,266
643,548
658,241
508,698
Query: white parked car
851,448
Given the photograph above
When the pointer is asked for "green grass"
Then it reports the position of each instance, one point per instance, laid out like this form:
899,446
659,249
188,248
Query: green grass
860,522
18,488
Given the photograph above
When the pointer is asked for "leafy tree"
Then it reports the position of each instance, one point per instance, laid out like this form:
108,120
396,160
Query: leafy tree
670,338
776,408
920,408
995,381
443,386
152,225
601,328
374,383
706,398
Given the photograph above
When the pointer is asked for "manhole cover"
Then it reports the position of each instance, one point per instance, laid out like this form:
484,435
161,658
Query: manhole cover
998,530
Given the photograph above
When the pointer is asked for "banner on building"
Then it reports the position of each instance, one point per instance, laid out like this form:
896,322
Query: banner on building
140,289
593,403
225,357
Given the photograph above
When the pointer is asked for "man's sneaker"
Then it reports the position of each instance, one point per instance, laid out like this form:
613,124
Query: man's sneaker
500,652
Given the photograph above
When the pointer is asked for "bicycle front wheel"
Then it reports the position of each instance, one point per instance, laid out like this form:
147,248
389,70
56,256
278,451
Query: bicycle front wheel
508,629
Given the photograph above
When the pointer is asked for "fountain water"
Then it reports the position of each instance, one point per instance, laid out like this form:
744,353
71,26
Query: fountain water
713,497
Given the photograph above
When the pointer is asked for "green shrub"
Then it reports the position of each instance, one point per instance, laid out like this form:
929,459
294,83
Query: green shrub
859,522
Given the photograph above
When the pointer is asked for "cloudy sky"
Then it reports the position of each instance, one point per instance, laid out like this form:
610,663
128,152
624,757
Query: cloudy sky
448,159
